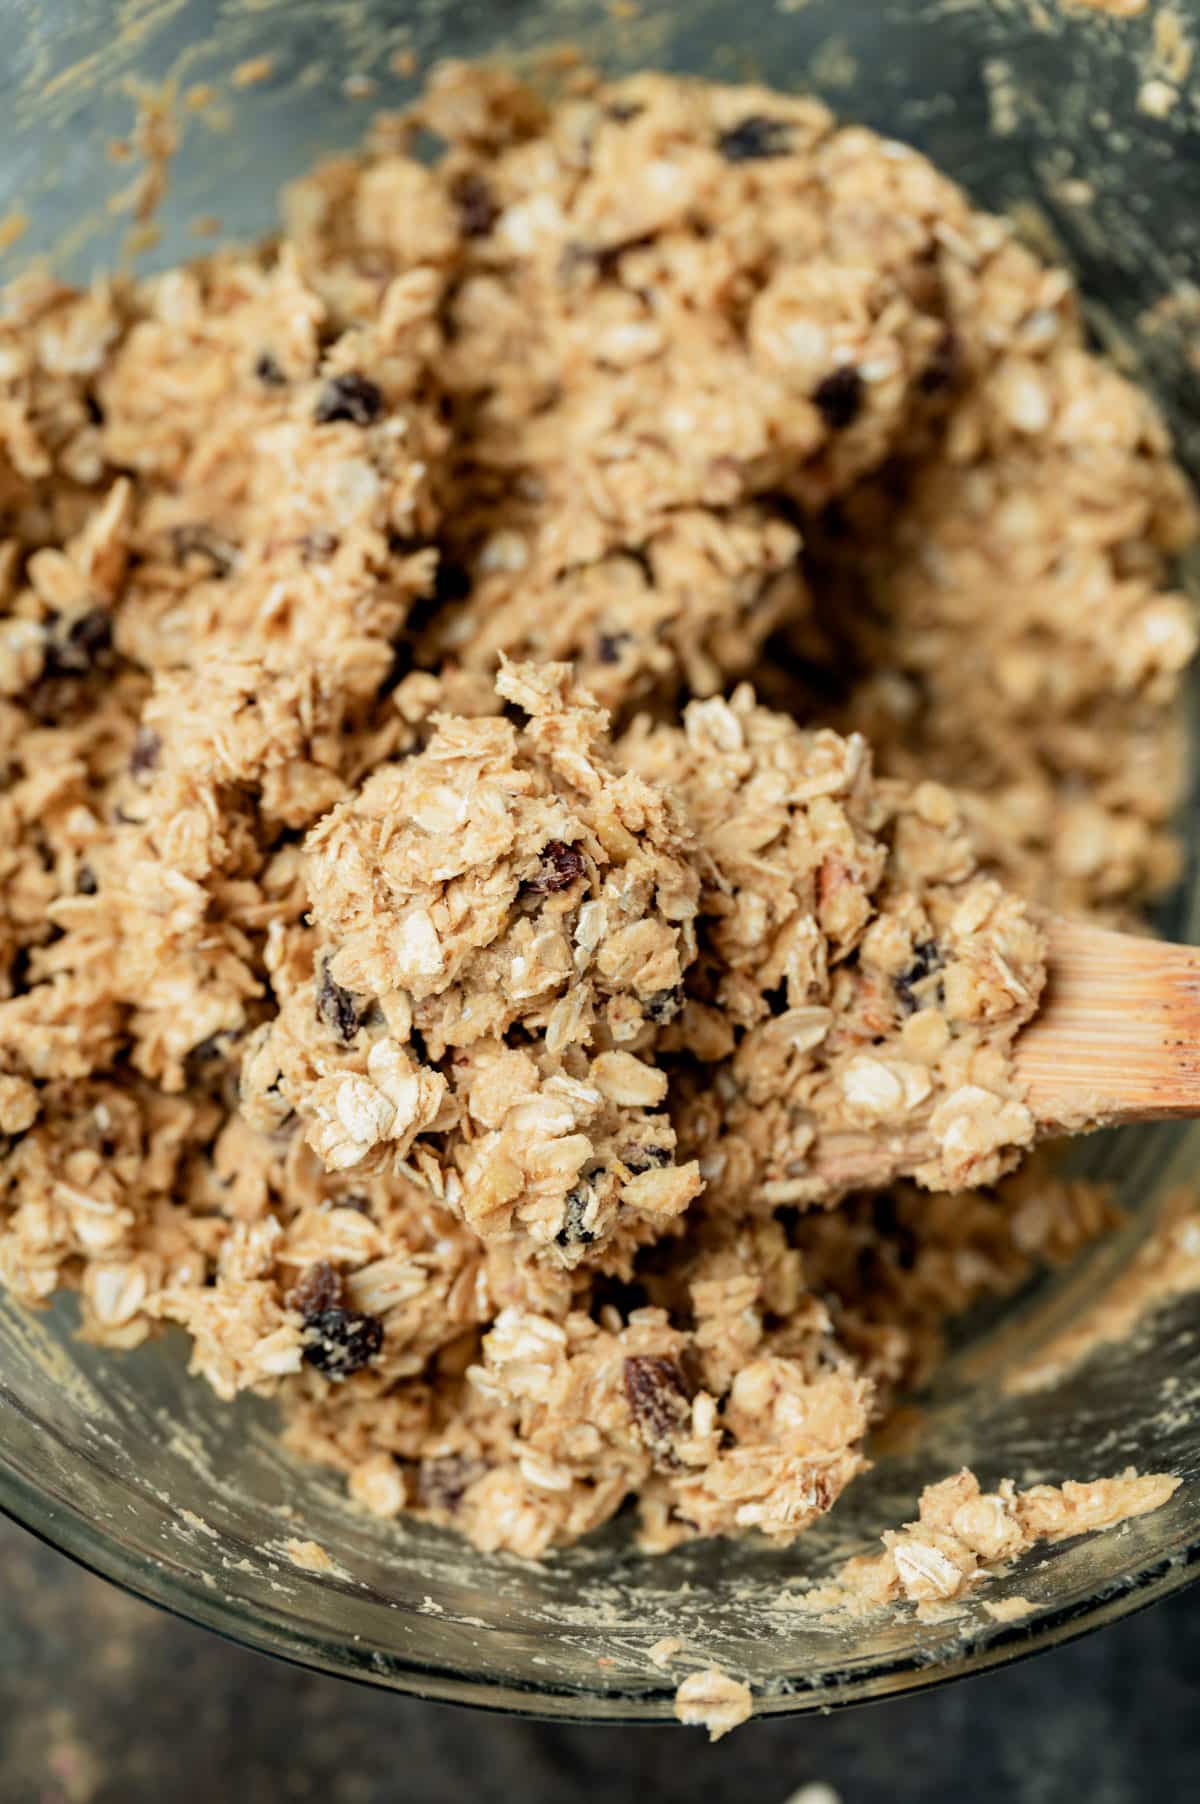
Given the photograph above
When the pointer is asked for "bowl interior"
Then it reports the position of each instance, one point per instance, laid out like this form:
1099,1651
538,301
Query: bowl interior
135,1468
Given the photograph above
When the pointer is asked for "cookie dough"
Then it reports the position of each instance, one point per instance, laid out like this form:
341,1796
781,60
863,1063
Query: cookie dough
858,972
429,972
502,926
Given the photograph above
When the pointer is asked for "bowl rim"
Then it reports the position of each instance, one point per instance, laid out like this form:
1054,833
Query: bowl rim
235,1619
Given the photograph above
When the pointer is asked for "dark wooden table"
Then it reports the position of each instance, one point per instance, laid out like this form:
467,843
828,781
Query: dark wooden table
105,1701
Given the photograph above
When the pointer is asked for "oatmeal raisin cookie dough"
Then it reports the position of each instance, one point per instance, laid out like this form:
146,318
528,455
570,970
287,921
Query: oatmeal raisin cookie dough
675,382
563,1414
704,312
502,927
858,974
997,611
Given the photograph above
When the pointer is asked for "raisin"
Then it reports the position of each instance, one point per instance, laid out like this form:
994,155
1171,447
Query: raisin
451,583
925,962
622,111
18,972
476,204
442,1483
198,540
318,545
755,138
943,365
646,1158
610,647
838,397
147,750
340,1341
80,648
85,880
318,1288
268,371
337,1008
663,1005
352,397
573,1233
93,409
657,1393
561,865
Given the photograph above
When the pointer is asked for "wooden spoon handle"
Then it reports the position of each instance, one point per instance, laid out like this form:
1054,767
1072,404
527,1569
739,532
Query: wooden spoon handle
1117,1037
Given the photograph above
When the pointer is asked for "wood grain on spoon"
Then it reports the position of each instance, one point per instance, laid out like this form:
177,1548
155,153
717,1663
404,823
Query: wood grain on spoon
1117,1036
1116,1039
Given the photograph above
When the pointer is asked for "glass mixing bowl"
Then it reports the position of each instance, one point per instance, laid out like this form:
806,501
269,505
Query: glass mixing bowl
135,1469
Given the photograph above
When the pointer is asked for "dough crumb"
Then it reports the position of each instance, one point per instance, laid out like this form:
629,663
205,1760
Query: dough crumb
309,1555
1008,1609
664,1651
713,1701
963,1534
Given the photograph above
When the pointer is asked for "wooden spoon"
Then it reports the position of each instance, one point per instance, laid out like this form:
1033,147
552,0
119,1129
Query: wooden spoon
1116,1039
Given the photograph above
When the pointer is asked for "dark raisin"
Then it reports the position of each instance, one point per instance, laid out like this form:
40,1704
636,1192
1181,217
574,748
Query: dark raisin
340,1341
610,647
337,1008
573,1233
646,1158
352,397
147,750
318,545
755,138
664,1005
85,880
838,397
925,962
451,583
657,1393
622,111
561,865
268,371
476,204
318,1288
18,971
81,647
442,1483
942,368
197,540
93,409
